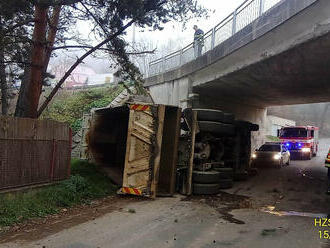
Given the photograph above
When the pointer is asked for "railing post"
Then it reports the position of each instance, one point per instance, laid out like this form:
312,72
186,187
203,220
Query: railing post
181,53
163,64
148,69
234,22
213,38
261,7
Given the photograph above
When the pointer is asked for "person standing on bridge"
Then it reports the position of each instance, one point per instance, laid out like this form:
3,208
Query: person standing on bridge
198,41
327,164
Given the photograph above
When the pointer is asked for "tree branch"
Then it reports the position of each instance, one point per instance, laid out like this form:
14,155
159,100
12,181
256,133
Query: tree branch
20,24
103,49
53,3
79,60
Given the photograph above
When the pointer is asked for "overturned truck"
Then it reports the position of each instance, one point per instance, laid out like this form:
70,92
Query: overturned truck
155,150
135,144
221,151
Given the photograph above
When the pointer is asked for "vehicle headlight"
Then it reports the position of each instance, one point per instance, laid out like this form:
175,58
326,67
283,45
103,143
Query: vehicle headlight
254,156
306,149
277,156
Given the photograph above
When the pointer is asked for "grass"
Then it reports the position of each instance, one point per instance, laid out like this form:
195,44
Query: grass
273,138
70,107
84,185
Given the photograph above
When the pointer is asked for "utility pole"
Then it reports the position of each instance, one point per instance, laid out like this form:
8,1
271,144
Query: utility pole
133,42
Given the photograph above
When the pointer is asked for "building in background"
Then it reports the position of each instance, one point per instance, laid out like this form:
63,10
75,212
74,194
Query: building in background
275,123
82,76
78,77
100,79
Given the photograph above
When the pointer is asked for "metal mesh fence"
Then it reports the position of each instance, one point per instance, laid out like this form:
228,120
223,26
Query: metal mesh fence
223,31
244,15
207,42
188,54
155,67
172,61
247,14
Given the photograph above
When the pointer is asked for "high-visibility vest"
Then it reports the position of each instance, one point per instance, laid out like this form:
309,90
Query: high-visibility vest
327,160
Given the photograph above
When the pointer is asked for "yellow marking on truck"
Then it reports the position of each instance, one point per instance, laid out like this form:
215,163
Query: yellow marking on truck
140,107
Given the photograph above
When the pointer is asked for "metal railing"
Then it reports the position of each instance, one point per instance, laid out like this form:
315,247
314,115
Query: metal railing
245,14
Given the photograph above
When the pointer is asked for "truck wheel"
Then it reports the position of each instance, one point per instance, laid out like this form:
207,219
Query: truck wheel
225,173
206,176
226,184
217,128
184,126
206,189
247,125
209,115
228,118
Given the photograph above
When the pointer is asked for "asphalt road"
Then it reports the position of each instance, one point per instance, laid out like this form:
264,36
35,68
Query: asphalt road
276,208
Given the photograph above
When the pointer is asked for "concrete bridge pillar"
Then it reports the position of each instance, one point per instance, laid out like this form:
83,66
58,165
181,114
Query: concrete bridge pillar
181,93
175,92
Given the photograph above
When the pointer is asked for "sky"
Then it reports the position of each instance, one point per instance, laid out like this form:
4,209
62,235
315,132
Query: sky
221,8
173,33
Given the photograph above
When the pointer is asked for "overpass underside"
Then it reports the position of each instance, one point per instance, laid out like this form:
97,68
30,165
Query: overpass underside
299,75
271,62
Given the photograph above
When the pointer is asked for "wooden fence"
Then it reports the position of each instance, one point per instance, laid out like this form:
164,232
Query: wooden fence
33,152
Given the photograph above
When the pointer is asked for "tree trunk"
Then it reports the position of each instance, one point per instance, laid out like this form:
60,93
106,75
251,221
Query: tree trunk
28,101
3,82
53,26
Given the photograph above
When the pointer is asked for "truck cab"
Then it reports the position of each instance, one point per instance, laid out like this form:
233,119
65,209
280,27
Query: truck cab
301,141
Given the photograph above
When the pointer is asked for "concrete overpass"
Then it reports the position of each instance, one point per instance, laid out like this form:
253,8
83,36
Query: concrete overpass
280,58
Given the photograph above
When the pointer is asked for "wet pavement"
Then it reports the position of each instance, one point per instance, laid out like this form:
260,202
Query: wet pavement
276,208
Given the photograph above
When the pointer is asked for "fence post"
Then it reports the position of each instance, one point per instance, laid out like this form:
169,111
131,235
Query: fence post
234,22
52,164
261,7
213,38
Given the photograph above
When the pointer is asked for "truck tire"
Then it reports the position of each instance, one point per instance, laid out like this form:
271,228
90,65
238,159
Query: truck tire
247,125
184,126
206,176
209,115
226,183
206,189
225,173
228,118
221,129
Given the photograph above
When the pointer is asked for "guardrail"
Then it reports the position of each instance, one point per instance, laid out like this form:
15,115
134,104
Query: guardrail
245,14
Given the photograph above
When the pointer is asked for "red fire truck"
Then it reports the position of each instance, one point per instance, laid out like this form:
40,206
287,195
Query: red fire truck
301,141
